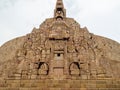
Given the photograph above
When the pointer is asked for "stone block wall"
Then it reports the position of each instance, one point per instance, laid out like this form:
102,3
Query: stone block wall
99,84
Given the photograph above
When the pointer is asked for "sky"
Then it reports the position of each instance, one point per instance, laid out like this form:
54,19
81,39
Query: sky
19,17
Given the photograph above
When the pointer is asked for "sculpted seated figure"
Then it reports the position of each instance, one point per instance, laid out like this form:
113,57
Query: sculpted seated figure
43,69
74,69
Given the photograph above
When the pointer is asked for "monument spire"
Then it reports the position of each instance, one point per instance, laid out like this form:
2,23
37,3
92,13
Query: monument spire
60,11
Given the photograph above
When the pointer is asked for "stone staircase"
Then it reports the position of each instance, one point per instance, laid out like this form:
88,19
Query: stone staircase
101,84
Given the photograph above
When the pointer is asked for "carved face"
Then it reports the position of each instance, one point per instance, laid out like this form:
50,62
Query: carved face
59,31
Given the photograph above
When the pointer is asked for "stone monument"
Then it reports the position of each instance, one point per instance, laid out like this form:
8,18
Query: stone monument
59,50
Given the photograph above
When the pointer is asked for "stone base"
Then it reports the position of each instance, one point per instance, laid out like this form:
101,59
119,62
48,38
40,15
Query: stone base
100,84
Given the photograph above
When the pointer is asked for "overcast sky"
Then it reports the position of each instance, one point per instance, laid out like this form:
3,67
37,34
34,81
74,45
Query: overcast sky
19,17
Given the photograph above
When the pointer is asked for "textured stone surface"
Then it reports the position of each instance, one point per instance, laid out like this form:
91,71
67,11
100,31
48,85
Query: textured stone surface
61,84
60,50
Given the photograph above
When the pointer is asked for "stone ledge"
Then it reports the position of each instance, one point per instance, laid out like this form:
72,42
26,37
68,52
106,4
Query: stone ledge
106,84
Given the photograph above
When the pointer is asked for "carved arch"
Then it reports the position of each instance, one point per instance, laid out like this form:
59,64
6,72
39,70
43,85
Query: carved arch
43,68
74,68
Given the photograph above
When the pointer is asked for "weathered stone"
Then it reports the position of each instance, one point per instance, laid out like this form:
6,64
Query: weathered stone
60,50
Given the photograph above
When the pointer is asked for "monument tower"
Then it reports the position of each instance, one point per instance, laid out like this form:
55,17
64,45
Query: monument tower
59,50
60,11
